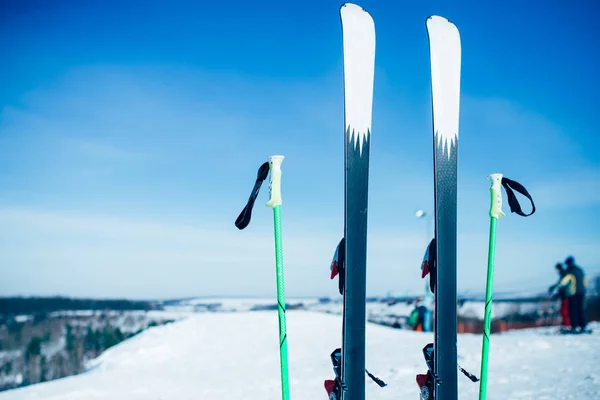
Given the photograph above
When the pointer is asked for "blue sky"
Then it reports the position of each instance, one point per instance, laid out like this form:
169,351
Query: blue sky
131,133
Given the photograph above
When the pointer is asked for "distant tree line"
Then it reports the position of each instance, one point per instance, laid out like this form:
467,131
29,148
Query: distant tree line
33,305
57,347
39,366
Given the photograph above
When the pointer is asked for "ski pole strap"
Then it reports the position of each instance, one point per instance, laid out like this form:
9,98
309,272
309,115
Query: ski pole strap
243,219
509,186
376,379
469,375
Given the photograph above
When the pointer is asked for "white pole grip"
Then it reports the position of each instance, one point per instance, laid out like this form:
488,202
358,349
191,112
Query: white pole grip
275,185
496,194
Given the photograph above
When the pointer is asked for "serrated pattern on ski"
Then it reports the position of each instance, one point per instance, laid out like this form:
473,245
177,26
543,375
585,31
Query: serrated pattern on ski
356,137
358,35
446,146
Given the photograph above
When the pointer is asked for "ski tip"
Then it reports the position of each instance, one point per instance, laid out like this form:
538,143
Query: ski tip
441,27
354,9
439,21
438,18
353,6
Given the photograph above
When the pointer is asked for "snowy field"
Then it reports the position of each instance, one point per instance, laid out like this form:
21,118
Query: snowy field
226,356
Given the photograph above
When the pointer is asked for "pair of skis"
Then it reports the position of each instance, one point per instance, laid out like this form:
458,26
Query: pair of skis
441,380
350,257
349,262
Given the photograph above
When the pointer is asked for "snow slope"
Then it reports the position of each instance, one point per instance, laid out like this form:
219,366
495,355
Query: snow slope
217,356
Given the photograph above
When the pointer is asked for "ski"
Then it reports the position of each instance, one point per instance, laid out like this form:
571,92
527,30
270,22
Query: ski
441,380
358,37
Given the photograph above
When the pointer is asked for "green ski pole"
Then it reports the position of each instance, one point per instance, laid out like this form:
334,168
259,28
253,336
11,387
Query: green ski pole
498,181
495,214
275,203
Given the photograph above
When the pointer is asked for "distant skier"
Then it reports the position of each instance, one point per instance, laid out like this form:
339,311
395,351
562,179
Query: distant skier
561,295
575,284
416,320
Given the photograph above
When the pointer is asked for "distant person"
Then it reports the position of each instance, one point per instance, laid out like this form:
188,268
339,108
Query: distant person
416,320
561,295
575,283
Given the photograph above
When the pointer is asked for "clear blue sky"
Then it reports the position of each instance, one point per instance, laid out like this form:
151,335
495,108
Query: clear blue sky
130,135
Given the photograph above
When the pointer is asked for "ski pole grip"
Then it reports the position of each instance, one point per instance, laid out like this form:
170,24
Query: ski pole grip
275,185
496,196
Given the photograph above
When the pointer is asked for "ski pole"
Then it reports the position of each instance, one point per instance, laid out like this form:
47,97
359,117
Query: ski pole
275,203
495,214
243,220
498,180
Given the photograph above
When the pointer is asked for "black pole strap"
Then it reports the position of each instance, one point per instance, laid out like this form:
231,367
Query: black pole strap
513,203
375,379
469,375
243,219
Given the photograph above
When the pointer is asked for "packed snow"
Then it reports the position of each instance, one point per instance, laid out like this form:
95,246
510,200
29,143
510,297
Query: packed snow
216,356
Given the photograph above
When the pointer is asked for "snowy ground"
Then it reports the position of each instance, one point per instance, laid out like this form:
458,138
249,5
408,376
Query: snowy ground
213,356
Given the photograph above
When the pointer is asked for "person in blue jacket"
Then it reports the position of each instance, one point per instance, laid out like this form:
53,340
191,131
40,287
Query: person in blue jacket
574,283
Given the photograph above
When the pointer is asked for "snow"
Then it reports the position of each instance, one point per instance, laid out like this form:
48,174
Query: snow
23,318
236,355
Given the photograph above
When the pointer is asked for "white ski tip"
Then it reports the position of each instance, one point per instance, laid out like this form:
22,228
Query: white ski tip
437,18
351,7
445,28
436,21
445,58
358,36
357,16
